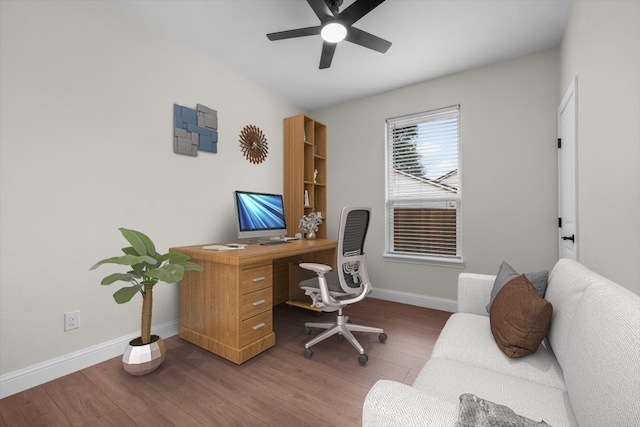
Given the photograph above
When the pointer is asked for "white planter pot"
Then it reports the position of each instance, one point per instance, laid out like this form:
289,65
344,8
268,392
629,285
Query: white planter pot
141,359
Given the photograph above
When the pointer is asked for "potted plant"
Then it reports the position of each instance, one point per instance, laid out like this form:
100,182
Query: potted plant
147,267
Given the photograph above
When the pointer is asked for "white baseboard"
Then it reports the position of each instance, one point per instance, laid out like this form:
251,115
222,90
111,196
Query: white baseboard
434,303
31,376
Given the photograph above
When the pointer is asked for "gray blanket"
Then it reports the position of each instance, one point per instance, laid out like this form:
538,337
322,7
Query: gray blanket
477,412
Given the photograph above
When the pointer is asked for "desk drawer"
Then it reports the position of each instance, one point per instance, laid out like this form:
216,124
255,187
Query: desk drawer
256,327
255,303
253,279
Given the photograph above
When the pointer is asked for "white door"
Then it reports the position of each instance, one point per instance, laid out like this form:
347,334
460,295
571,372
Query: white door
567,174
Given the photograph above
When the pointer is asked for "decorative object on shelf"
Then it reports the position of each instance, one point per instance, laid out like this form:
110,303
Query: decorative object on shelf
306,198
309,224
195,130
315,176
147,267
253,144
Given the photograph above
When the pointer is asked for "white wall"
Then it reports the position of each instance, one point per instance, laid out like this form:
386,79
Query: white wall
508,137
602,48
86,147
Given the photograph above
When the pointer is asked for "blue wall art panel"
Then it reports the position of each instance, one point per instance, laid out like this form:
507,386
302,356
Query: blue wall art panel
195,130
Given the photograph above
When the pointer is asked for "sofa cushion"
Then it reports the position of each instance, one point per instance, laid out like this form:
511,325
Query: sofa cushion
519,318
390,403
448,379
602,369
467,338
506,273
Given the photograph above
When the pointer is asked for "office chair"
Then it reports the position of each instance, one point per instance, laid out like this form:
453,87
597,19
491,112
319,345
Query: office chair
334,290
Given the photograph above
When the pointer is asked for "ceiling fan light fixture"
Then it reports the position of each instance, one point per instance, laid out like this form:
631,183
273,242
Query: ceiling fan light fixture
336,26
333,32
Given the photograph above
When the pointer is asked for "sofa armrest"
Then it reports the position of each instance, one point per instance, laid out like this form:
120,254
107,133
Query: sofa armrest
474,293
393,404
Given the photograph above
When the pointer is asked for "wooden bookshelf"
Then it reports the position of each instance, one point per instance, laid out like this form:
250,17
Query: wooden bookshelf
305,171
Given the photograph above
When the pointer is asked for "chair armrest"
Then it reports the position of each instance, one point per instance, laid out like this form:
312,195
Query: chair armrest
327,299
474,293
318,268
390,403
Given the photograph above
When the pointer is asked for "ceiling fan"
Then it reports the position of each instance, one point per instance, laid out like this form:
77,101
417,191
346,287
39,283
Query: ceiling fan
336,26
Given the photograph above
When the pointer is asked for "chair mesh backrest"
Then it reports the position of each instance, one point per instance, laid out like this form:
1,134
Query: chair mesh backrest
353,231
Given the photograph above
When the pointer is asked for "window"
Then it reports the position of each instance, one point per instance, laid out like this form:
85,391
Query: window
423,188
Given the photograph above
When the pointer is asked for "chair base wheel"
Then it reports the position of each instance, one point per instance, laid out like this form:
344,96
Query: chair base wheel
308,353
307,330
363,359
382,337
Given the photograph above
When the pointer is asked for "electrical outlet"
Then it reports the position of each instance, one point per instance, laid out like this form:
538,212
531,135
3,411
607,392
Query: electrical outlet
71,320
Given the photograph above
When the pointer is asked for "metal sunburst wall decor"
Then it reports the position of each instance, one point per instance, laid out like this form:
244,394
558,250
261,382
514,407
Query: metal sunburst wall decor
253,144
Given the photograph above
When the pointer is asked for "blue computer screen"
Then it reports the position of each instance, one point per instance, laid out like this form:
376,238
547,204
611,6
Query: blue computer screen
260,211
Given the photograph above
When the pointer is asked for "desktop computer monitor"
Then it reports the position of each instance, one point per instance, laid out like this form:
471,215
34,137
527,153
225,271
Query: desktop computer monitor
259,215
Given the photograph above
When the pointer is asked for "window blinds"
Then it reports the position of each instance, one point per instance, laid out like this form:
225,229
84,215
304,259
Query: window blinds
423,184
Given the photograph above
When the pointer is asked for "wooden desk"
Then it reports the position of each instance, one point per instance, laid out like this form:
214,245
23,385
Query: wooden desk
228,307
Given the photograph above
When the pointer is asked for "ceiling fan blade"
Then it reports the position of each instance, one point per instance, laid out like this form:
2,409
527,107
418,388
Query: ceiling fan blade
321,9
357,10
368,40
299,32
327,54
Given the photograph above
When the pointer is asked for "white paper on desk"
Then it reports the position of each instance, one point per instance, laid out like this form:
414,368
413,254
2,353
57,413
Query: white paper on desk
218,248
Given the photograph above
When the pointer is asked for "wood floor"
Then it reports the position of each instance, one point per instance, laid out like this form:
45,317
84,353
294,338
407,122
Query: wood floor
276,388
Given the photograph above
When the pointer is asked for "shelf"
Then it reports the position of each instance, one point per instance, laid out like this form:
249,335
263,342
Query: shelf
305,169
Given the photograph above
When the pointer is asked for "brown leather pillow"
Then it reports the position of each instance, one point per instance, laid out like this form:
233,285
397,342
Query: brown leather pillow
519,318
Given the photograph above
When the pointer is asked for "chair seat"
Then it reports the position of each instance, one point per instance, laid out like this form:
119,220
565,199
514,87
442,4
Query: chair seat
333,283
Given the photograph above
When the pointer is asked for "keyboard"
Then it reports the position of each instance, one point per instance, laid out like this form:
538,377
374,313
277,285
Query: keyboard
273,242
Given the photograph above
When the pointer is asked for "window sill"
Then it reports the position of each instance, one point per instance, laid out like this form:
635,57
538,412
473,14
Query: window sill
415,259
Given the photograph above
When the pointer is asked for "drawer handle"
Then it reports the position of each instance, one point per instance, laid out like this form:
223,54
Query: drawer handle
259,302
259,279
259,326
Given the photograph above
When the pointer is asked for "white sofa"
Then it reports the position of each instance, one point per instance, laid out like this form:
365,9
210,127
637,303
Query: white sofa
586,372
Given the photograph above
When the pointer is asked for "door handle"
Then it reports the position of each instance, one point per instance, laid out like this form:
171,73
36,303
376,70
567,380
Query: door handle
572,238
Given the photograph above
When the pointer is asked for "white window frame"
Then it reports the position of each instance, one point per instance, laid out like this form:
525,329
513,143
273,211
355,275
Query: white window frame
393,201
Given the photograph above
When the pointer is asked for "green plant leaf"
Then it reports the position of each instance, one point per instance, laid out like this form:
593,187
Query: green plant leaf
135,274
139,269
151,248
159,273
123,295
169,273
146,241
136,241
176,270
125,277
175,257
191,266
131,260
129,251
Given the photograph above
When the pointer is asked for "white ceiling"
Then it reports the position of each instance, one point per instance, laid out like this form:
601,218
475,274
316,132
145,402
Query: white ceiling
431,38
